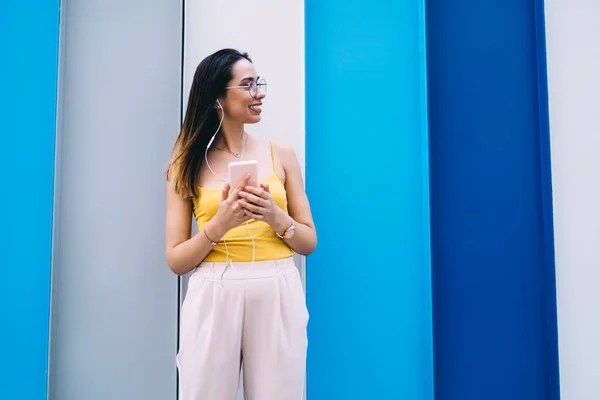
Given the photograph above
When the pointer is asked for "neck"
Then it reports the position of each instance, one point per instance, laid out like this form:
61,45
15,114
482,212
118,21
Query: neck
231,137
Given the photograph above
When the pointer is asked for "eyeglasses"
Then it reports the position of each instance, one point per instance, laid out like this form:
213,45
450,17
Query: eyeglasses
252,87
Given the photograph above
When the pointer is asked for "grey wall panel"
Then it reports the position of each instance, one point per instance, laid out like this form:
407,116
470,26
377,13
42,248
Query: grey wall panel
114,316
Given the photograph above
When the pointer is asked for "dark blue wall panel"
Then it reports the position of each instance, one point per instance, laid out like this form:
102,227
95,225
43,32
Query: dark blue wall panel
28,77
494,311
368,283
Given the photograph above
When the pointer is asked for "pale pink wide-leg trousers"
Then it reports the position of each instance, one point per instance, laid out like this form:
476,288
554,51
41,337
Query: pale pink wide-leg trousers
243,313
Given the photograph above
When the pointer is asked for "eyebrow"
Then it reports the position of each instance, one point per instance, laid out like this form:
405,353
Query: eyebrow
249,79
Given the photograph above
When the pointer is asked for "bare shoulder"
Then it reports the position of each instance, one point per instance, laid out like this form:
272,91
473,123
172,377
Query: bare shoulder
285,153
282,146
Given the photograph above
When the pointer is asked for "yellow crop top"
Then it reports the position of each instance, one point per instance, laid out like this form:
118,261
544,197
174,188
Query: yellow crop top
239,243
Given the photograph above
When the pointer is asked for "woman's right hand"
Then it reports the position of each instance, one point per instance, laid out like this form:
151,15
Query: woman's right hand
230,214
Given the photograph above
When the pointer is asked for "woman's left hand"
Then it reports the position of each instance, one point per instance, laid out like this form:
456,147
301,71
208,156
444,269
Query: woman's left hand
258,204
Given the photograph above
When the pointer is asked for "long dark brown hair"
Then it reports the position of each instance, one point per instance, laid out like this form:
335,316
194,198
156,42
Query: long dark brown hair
201,119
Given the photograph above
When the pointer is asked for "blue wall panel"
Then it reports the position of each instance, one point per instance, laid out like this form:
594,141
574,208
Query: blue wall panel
28,75
368,283
493,282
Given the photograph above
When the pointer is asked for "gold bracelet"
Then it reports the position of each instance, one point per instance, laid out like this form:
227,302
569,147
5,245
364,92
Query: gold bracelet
209,239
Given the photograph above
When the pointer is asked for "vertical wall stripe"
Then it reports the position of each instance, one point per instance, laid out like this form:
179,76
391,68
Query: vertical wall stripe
572,32
114,299
28,79
276,47
551,361
492,263
368,283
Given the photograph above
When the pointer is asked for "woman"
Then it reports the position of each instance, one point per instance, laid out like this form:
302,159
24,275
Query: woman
244,302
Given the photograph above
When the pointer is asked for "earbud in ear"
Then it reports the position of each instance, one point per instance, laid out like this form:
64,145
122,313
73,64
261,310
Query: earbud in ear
219,104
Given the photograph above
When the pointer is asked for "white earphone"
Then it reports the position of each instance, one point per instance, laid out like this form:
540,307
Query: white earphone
227,259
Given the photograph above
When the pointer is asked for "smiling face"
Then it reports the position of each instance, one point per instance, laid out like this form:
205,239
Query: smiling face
239,105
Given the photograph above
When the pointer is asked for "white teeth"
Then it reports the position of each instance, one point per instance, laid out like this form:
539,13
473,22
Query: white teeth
254,107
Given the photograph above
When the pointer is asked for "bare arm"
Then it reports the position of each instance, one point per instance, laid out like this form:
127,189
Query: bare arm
304,240
184,252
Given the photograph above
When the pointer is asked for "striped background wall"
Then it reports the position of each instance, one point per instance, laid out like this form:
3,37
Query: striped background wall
28,81
443,162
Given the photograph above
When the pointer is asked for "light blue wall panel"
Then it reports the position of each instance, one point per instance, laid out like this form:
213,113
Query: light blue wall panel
368,283
28,80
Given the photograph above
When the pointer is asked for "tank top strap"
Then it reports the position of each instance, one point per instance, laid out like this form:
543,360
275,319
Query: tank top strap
273,156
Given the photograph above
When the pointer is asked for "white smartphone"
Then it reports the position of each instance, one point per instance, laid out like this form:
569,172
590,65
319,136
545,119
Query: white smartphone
238,169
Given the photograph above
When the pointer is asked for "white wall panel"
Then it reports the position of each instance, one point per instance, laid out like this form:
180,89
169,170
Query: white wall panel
573,53
272,32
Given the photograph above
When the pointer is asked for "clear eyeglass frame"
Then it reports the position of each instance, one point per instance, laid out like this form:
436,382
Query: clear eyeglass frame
252,87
